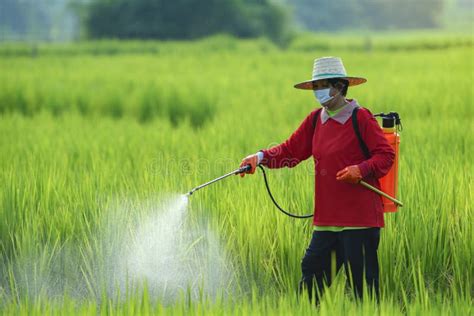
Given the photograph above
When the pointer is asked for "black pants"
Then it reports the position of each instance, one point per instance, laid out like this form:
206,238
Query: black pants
328,251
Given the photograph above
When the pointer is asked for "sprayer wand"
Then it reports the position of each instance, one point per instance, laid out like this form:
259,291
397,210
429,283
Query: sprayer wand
237,171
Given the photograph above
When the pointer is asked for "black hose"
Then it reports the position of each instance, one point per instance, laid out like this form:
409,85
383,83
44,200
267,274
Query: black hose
275,202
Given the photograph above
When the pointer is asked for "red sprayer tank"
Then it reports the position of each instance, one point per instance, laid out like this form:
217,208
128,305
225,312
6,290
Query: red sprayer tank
389,182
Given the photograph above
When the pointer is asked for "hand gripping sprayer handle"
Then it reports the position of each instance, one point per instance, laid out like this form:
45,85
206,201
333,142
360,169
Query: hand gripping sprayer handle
243,169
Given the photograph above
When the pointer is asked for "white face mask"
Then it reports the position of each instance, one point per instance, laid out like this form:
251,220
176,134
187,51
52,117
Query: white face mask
323,95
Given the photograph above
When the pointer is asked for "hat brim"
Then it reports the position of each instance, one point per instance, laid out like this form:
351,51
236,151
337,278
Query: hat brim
308,85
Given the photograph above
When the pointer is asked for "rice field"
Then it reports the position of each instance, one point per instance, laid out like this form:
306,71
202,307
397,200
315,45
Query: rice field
95,135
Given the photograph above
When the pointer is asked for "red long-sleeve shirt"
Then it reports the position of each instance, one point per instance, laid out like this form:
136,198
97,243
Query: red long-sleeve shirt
334,146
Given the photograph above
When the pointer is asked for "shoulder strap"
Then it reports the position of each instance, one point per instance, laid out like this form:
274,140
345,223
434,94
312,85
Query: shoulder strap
315,118
355,125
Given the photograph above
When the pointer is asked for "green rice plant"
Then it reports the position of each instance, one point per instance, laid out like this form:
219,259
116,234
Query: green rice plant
91,132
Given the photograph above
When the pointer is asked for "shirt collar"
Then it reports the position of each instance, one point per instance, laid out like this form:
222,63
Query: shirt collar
343,115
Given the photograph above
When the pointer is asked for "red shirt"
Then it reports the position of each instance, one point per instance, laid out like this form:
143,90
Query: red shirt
333,145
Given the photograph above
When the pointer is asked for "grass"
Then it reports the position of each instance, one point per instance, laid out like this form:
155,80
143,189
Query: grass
81,133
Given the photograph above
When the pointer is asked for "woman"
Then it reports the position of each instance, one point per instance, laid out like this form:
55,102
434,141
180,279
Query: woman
347,216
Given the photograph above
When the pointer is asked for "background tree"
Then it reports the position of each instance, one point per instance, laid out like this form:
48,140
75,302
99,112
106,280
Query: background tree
185,19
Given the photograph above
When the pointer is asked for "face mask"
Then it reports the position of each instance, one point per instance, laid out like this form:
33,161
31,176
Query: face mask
323,95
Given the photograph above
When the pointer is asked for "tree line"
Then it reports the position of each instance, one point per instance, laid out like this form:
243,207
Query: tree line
191,19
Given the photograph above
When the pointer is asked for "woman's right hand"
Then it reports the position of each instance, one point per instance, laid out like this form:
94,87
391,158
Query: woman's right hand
251,160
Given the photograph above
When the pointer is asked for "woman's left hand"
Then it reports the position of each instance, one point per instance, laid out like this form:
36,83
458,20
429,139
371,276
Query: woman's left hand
349,174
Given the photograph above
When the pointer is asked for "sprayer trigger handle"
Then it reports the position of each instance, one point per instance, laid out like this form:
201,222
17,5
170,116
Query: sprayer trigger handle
245,169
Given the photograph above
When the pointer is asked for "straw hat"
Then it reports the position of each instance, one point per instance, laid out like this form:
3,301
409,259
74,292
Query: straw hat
326,68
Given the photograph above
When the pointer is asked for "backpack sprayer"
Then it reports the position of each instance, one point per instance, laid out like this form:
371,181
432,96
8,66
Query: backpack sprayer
391,124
